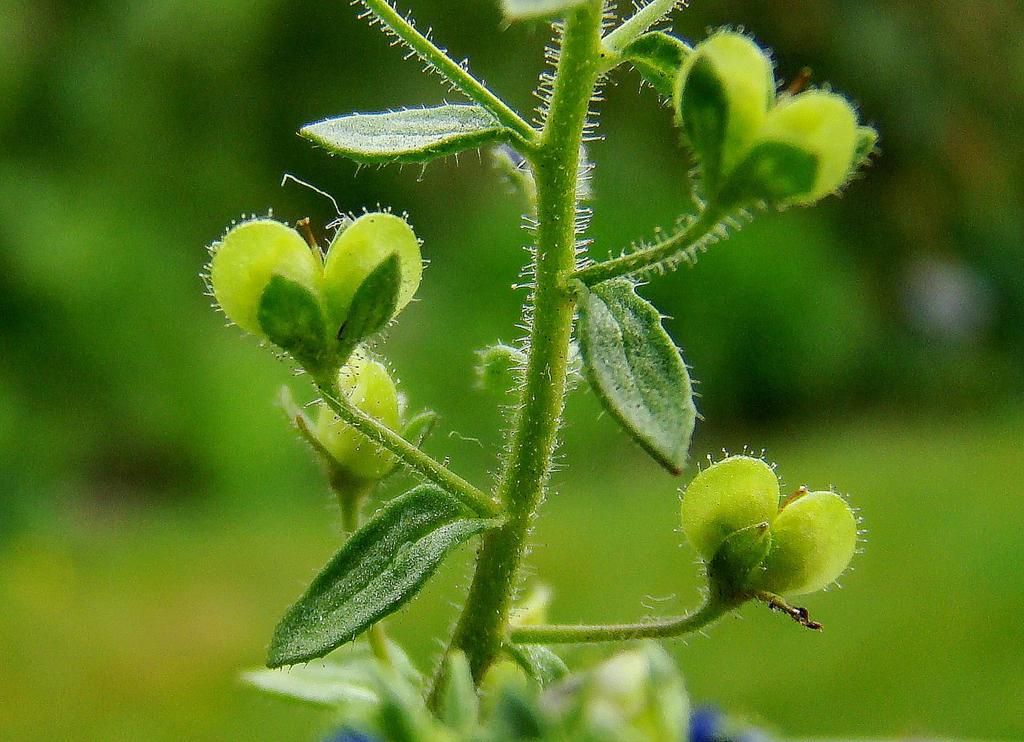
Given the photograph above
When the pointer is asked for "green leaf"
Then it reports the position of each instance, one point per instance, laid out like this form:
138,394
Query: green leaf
326,684
539,662
419,428
413,135
292,319
382,566
636,370
773,172
741,553
520,10
372,306
658,57
460,706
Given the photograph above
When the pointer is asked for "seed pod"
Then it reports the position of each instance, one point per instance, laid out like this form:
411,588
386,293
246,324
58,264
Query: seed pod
823,126
367,385
246,260
357,250
736,493
723,94
813,540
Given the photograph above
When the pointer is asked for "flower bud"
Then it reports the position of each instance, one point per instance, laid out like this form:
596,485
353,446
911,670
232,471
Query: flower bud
367,385
723,94
733,494
357,250
245,261
813,540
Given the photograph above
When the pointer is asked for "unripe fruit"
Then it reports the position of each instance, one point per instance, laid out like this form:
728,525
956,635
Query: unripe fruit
753,147
823,125
723,94
731,516
357,250
733,494
813,540
246,259
366,384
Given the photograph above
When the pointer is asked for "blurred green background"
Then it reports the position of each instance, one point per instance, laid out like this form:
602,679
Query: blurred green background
156,516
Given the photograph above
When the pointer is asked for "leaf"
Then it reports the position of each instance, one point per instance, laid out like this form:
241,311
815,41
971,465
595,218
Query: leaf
419,428
325,684
772,172
372,306
413,135
539,662
292,320
636,370
658,57
381,567
460,706
521,10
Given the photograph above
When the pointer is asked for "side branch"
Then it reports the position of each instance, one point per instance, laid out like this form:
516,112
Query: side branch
449,68
409,455
580,634
679,243
636,25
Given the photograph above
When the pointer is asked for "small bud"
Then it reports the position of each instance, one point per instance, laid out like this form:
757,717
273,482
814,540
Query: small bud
736,493
246,260
496,368
367,385
813,541
357,250
723,94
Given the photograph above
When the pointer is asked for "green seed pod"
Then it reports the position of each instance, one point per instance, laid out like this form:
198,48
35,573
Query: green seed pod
367,385
246,260
736,493
360,248
722,97
813,540
824,126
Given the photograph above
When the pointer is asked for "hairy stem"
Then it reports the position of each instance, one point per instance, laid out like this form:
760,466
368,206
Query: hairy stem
654,255
616,41
408,454
483,624
661,629
449,68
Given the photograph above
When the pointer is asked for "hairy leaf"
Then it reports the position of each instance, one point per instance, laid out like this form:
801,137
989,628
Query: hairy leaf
413,135
324,684
658,57
532,9
381,567
291,318
372,306
636,370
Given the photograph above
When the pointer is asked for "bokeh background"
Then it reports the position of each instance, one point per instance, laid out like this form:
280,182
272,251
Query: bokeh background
156,515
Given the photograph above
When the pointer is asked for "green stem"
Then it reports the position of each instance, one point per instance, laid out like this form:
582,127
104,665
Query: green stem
408,454
661,629
449,68
616,41
483,623
654,255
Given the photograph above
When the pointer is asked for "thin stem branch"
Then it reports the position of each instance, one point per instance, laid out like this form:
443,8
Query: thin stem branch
616,41
581,634
449,68
654,255
408,454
